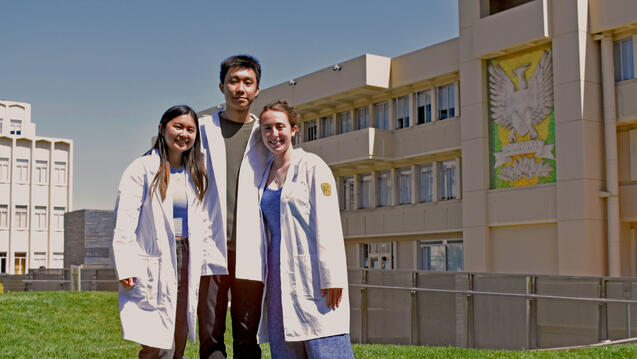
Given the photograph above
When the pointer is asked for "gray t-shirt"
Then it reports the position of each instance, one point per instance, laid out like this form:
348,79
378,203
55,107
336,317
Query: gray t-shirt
235,136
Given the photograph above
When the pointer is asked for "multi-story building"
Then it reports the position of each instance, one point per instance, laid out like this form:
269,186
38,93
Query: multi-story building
512,148
35,192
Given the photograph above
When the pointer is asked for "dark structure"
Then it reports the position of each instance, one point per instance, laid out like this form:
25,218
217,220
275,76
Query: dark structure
87,238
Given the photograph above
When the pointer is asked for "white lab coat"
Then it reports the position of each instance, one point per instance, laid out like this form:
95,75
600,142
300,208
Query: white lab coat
144,248
312,251
250,245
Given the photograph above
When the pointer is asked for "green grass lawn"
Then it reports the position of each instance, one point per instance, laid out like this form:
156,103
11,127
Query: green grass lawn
86,325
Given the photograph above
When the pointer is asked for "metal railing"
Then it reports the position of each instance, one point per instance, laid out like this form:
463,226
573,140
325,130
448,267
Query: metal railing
530,296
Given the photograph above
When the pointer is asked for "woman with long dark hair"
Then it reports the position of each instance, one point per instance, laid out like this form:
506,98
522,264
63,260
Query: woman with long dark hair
159,237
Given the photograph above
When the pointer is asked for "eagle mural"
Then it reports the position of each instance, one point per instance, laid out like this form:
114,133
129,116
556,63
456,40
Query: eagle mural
521,122
519,109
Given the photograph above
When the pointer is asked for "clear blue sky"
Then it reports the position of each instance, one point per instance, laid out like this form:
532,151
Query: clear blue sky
103,72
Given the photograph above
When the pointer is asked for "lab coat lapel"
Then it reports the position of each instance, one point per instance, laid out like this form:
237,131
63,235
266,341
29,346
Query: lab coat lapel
217,159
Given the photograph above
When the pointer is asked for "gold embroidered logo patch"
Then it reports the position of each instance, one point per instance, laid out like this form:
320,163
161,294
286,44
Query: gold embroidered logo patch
327,189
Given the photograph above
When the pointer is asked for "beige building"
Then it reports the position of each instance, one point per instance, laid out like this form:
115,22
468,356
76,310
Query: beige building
512,148
35,192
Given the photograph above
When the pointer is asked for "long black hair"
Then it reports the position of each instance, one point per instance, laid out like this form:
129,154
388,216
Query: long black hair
192,158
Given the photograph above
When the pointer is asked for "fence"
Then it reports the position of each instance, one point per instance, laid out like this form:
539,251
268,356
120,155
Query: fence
480,310
485,310
74,279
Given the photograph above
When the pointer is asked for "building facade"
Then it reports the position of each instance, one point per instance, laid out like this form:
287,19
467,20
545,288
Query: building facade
511,149
35,191
88,237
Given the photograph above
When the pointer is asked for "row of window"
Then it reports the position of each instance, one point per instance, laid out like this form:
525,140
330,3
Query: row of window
37,260
437,256
40,174
433,181
342,122
38,220
15,126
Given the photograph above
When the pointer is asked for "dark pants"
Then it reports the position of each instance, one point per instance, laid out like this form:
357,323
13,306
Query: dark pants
245,312
181,321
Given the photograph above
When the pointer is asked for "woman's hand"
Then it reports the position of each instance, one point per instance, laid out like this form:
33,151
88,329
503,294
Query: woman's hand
334,296
128,282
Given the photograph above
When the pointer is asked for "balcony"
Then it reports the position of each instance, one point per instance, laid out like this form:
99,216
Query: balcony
518,27
359,77
626,92
369,145
433,217
357,147
611,15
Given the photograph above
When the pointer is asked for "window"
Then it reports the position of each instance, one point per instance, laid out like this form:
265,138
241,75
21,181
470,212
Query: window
327,126
39,217
58,218
20,262
448,180
490,7
440,256
348,193
4,169
381,111
364,185
623,54
58,260
383,188
22,171
446,104
362,117
425,182
40,171
377,255
401,111
345,122
16,127
60,173
404,185
3,262
21,217
4,216
38,260
310,130
423,100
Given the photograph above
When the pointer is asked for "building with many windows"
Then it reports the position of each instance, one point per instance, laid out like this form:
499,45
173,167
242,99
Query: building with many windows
512,148
35,192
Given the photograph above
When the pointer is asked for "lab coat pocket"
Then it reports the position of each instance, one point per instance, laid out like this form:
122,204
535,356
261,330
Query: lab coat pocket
148,283
298,199
307,277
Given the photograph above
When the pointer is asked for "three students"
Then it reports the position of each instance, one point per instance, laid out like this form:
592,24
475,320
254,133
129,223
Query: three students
181,245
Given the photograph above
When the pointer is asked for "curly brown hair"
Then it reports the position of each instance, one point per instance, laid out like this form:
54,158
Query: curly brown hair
282,105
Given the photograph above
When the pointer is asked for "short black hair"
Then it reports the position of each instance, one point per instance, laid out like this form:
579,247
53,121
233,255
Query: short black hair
242,61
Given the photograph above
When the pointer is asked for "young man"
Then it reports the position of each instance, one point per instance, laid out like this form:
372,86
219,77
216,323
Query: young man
235,159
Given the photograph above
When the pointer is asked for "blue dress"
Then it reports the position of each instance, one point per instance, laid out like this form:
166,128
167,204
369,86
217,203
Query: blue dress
338,346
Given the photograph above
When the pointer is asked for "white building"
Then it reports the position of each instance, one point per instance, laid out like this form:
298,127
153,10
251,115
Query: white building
35,191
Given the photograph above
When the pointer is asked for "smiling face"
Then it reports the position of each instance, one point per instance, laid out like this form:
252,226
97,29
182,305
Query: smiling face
239,88
179,134
276,131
